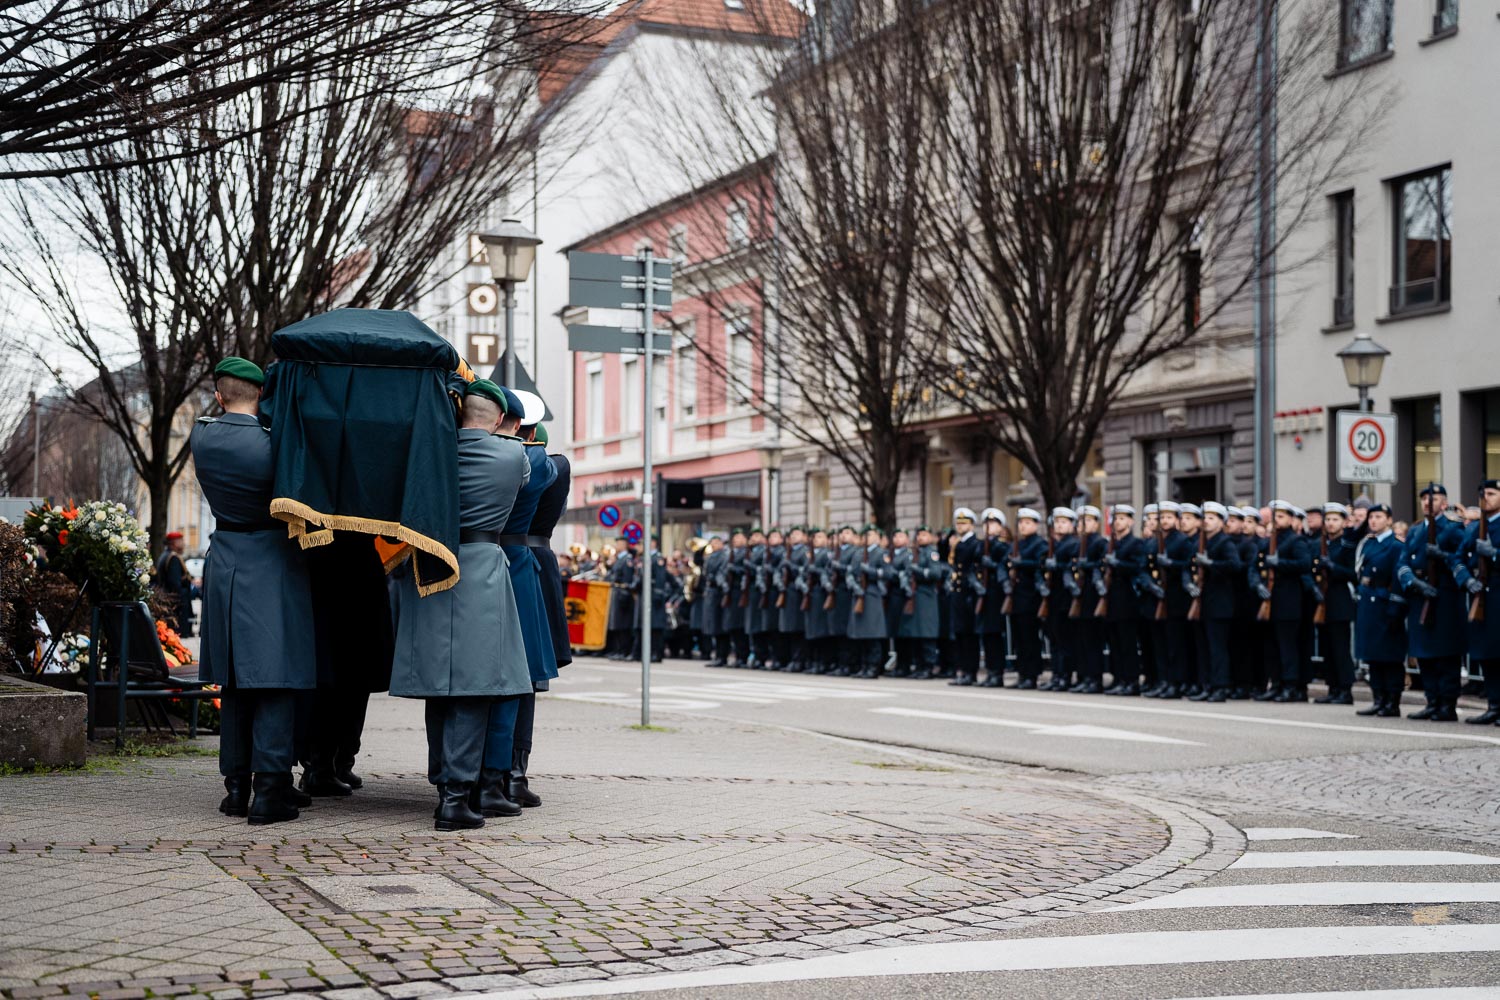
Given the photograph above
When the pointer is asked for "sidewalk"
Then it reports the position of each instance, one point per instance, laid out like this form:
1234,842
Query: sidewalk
708,844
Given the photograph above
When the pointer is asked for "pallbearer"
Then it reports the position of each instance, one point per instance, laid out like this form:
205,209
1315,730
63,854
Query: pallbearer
1220,570
1475,570
257,604
1380,622
992,615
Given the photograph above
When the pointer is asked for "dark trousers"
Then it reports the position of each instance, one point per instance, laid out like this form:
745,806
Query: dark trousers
455,739
849,654
1026,633
1491,670
1283,654
1387,679
790,648
872,654
993,644
966,653
1061,646
1241,652
1156,650
1310,638
500,733
257,730
525,721
1181,664
1264,659
1216,636
335,726
1334,639
1201,658
1124,653
1088,645
1440,678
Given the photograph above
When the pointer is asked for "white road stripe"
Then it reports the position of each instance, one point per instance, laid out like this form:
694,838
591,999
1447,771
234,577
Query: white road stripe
1039,728
1321,894
1089,951
1358,859
1440,993
1293,833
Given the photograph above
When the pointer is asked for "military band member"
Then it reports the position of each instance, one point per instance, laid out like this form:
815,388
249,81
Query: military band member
1088,626
1473,569
1024,568
1380,621
793,598
258,632
1435,629
1057,579
992,624
1277,579
965,559
1124,565
1336,631
1221,571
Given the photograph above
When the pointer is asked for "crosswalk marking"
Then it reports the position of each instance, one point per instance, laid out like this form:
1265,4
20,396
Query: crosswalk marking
1039,728
1320,894
1253,833
1080,952
1358,859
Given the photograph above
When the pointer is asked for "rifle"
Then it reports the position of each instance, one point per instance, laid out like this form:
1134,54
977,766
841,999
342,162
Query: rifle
1075,610
786,556
1482,572
721,580
1161,550
1264,613
1009,604
1320,581
1195,610
908,584
1102,608
1432,563
1042,612
864,580
829,580
744,601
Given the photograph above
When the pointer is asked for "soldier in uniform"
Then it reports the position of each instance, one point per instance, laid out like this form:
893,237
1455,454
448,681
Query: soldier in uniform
820,602
1435,628
1023,566
771,603
1149,592
1171,642
175,584
1195,671
732,619
1221,569
1124,565
847,662
1473,565
966,554
622,603
900,590
258,632
793,601
461,648
1278,579
1336,632
715,595
1243,643
1380,621
991,613
917,634
867,582
758,610
664,588
1087,587
1057,598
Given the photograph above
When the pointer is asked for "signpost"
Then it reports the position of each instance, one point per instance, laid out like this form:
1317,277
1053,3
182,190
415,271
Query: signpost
642,283
609,516
1366,447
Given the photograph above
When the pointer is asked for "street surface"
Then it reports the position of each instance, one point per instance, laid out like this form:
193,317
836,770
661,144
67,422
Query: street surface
785,836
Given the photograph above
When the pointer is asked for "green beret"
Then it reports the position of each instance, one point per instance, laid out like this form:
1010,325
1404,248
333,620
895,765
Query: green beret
489,390
541,434
240,368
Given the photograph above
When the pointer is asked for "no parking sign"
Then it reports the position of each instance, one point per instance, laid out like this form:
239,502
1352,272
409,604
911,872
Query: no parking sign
633,532
1366,447
609,515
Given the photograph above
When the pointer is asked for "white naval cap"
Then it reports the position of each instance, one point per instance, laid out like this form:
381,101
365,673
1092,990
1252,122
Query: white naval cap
1150,508
1169,507
1250,513
1282,505
1066,512
1192,508
1089,510
1123,508
992,514
532,407
1334,507
1214,507
1298,512
963,513
1233,510
1026,512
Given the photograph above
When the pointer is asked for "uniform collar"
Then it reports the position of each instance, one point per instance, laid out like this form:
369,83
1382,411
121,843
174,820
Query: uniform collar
247,419
1387,533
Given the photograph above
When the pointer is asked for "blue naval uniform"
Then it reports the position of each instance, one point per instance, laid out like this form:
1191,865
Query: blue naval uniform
1438,644
1380,620
1483,636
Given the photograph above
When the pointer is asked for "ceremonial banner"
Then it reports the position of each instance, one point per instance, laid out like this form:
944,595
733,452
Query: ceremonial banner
588,613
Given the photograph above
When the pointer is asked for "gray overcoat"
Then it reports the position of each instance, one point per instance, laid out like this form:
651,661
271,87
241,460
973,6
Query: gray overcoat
929,571
869,569
467,641
760,616
843,597
789,577
712,592
257,624
817,621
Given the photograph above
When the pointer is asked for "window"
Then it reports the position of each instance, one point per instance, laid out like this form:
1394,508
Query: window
1192,276
594,396
1188,469
737,225
630,394
1364,30
819,510
685,373
677,242
1445,18
1423,241
741,360
1426,445
1491,463
1343,258
660,431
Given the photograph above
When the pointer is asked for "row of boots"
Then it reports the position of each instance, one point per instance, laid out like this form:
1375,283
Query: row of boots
465,805
272,797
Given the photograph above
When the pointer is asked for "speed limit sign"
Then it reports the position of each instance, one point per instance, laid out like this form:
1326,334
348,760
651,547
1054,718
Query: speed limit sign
1366,447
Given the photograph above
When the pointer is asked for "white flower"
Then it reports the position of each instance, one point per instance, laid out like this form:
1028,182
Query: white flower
100,516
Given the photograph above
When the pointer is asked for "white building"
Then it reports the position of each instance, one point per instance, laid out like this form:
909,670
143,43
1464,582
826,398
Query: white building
1410,240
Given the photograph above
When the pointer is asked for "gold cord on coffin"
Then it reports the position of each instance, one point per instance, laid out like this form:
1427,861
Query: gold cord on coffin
298,517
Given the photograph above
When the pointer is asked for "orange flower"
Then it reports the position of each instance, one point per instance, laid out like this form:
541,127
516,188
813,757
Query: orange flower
62,537
69,513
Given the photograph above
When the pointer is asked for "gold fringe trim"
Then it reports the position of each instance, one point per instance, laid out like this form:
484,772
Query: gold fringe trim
298,516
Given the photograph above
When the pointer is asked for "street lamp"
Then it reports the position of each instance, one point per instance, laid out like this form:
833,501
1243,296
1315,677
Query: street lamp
1363,360
770,458
511,250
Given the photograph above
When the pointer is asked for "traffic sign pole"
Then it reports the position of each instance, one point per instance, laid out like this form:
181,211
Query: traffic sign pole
647,404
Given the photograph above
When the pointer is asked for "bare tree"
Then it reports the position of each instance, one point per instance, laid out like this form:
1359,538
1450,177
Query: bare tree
208,255
1104,166
78,75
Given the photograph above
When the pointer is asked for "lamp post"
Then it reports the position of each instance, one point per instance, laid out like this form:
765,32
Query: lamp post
511,250
1363,360
770,458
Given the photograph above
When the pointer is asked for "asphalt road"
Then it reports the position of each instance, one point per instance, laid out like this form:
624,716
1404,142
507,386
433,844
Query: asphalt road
1092,734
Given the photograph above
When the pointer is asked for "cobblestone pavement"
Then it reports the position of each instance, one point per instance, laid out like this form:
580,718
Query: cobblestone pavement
709,844
1449,793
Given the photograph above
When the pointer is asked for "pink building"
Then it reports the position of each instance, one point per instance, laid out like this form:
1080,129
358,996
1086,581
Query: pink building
706,429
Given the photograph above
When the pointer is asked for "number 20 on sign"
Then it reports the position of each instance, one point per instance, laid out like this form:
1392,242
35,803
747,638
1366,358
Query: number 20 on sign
1366,447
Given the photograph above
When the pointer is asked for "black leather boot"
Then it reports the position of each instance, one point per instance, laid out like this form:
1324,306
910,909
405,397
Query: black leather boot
237,802
454,811
1390,710
1269,694
516,787
1447,711
488,797
1426,712
319,779
272,803
1289,694
1373,708
1488,718
344,771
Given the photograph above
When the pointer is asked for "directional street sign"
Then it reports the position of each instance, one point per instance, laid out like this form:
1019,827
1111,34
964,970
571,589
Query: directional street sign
609,281
612,267
614,340
1366,447
632,532
609,515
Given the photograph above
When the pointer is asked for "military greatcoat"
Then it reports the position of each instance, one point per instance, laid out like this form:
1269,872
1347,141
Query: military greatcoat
715,588
1380,622
868,573
929,572
525,575
1445,630
554,501
1483,636
789,580
820,583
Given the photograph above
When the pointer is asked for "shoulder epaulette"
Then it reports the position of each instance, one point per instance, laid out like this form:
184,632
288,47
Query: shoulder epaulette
208,420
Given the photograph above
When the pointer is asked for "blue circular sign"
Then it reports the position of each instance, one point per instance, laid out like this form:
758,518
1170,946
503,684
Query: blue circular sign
633,532
609,515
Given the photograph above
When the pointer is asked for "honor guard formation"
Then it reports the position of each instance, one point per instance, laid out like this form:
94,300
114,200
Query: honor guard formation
298,636
1206,602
